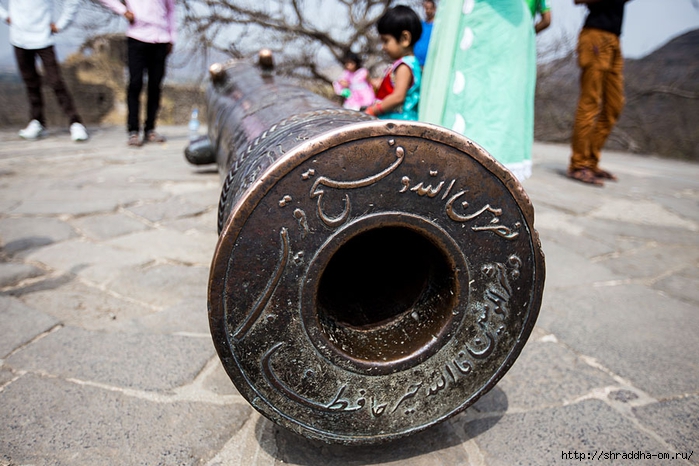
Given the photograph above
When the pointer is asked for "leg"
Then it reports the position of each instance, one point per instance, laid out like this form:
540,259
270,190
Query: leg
32,81
612,102
137,64
156,73
55,80
591,62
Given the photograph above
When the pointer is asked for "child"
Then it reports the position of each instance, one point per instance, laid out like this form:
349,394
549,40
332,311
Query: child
399,92
353,84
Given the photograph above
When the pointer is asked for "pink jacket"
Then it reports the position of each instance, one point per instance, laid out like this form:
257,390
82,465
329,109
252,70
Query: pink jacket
155,20
362,94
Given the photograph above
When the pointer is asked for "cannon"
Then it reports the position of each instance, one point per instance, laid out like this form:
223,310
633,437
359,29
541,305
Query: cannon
372,277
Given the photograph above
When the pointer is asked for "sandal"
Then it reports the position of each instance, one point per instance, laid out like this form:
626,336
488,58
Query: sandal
604,174
134,140
586,176
152,136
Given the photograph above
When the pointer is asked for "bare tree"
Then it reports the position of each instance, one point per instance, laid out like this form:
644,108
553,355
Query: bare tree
308,35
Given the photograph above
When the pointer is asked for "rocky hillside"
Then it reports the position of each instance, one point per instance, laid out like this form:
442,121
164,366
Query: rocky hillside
662,109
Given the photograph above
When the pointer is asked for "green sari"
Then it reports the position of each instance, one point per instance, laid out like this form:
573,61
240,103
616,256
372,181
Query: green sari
480,76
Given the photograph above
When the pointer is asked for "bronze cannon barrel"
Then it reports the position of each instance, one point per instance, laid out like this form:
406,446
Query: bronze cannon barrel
372,277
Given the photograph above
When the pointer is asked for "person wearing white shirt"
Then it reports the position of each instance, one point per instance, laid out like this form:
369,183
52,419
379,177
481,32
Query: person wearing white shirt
31,34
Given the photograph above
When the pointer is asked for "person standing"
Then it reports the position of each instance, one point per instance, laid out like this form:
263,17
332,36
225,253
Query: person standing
543,9
151,34
422,45
353,84
480,76
601,88
31,34
398,94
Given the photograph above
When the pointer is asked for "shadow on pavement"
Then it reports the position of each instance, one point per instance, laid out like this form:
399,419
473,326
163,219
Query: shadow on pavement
292,448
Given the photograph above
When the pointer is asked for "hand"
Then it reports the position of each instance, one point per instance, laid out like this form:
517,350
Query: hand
54,29
129,16
8,20
169,48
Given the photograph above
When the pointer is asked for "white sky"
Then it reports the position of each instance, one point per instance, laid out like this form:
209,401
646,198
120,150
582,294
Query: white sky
648,24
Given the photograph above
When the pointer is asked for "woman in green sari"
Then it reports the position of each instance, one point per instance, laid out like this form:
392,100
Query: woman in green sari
480,76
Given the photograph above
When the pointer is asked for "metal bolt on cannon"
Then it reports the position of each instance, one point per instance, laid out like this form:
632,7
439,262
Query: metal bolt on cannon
372,277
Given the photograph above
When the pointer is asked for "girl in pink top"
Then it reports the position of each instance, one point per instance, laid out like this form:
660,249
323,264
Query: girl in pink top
353,84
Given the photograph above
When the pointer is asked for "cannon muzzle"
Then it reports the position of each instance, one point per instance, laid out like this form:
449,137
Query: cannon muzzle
371,278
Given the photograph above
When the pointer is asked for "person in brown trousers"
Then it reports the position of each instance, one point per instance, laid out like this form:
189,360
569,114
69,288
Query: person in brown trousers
601,88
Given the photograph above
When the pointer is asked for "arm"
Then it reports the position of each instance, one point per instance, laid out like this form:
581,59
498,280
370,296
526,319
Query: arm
4,15
404,78
341,83
115,5
69,9
544,22
119,8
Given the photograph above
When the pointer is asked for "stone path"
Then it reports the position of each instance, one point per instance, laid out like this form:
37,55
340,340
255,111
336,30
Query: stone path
106,358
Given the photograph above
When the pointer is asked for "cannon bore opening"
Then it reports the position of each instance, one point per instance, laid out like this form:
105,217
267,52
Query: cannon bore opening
387,294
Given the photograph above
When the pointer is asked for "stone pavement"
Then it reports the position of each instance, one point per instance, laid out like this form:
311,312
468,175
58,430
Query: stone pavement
106,358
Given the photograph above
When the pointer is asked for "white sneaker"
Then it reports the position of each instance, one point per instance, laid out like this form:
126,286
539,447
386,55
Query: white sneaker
34,130
78,132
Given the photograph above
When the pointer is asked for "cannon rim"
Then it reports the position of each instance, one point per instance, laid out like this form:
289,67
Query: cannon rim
257,191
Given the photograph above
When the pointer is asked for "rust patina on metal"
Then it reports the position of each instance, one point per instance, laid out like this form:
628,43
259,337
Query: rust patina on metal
372,278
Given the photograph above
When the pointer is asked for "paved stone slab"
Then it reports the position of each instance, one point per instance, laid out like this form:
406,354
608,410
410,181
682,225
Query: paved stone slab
189,316
546,374
640,335
557,192
681,285
169,209
96,262
218,382
653,261
600,228
192,247
5,377
571,269
162,285
19,234
101,227
12,273
155,362
51,421
205,223
641,212
676,421
20,324
81,305
545,437
682,203
563,229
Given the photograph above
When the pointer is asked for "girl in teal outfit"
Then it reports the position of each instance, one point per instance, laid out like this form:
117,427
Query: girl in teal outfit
399,92
480,76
